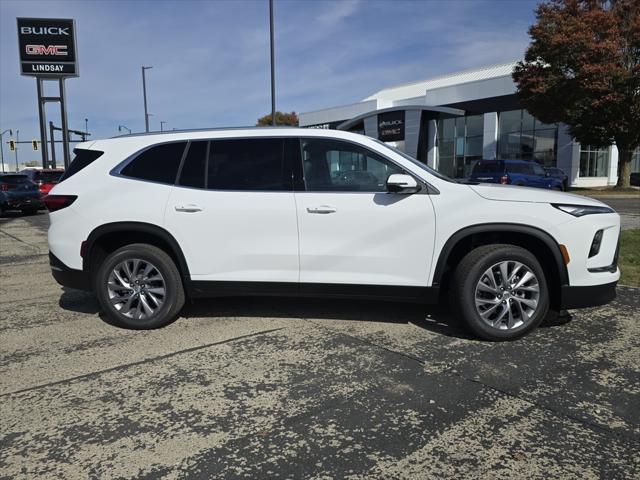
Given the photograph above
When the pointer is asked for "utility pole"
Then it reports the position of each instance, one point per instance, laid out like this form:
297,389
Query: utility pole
53,145
2,147
144,95
162,122
86,125
273,75
17,146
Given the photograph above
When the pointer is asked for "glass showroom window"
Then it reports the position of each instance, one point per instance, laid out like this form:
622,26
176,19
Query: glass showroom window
635,161
459,144
524,137
594,162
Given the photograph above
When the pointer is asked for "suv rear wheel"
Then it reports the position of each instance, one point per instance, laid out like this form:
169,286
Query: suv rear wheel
139,286
500,291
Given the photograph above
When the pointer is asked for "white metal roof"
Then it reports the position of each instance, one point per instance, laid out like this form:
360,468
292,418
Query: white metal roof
414,89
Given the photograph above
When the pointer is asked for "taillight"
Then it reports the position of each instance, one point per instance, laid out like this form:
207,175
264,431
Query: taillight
504,180
58,202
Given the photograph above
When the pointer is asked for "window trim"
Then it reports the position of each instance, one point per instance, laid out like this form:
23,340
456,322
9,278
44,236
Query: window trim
296,168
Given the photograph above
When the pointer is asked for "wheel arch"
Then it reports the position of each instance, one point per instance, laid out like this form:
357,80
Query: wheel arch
111,236
537,241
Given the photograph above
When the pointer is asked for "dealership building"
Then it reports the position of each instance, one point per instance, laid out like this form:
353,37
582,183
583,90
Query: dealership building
452,121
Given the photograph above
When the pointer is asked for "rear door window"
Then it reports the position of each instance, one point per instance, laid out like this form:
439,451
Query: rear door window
81,160
248,164
157,164
192,173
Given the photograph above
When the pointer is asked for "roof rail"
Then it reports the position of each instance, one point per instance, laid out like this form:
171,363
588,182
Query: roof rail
191,130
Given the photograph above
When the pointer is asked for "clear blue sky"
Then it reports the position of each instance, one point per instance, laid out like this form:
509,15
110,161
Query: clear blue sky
211,58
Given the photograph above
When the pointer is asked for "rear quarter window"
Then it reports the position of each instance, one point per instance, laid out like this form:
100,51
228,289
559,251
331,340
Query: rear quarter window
81,160
159,163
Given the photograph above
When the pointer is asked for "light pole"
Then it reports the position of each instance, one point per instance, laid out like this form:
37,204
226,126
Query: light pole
273,75
2,146
17,146
86,125
144,95
162,122
120,127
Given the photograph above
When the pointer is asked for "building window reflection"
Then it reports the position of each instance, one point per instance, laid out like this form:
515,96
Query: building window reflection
594,162
635,161
459,144
522,136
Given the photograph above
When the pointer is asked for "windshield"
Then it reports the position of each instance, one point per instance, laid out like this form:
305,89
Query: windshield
416,162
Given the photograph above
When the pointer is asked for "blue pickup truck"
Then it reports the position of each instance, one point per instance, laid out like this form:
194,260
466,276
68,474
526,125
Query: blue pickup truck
515,172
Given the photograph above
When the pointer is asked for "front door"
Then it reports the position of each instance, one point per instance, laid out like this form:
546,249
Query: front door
233,211
351,230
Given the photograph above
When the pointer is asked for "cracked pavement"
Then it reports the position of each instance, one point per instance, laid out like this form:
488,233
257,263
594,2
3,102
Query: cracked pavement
295,388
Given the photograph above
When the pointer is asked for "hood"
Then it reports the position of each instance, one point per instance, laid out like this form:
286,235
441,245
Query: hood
513,193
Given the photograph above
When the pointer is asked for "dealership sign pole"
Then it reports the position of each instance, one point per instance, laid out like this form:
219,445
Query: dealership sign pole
48,52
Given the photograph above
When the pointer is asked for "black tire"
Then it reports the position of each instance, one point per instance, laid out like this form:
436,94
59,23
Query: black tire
467,276
174,291
29,211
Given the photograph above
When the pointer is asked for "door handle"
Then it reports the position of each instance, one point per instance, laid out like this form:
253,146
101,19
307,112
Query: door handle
188,208
323,209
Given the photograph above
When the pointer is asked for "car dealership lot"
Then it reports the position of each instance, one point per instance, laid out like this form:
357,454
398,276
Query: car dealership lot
259,388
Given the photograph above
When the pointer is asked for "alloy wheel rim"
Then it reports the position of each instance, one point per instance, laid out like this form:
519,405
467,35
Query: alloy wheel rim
136,288
507,295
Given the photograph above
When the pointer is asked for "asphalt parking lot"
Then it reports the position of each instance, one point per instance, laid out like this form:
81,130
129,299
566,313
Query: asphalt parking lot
627,206
265,388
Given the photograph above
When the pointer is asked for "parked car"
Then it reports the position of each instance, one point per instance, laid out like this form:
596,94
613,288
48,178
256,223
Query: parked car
514,172
45,178
634,179
559,174
146,221
17,192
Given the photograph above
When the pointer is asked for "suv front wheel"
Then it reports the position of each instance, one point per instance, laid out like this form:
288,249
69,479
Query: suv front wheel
139,287
500,291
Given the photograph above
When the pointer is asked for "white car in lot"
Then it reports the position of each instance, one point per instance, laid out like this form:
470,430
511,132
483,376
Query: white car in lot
148,220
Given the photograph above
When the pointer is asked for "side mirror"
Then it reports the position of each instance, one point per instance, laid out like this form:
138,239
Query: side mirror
401,183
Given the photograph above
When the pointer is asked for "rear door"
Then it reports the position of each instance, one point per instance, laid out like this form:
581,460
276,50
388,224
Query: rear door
351,230
233,211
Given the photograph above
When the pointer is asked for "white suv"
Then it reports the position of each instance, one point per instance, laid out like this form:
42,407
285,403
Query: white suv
146,221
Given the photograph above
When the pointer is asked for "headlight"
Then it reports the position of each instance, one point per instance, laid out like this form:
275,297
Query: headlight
582,210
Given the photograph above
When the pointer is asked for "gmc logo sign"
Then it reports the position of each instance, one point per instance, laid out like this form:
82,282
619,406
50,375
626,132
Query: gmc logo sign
46,50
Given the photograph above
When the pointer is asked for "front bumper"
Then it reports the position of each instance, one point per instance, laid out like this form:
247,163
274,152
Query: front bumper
587,296
68,277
